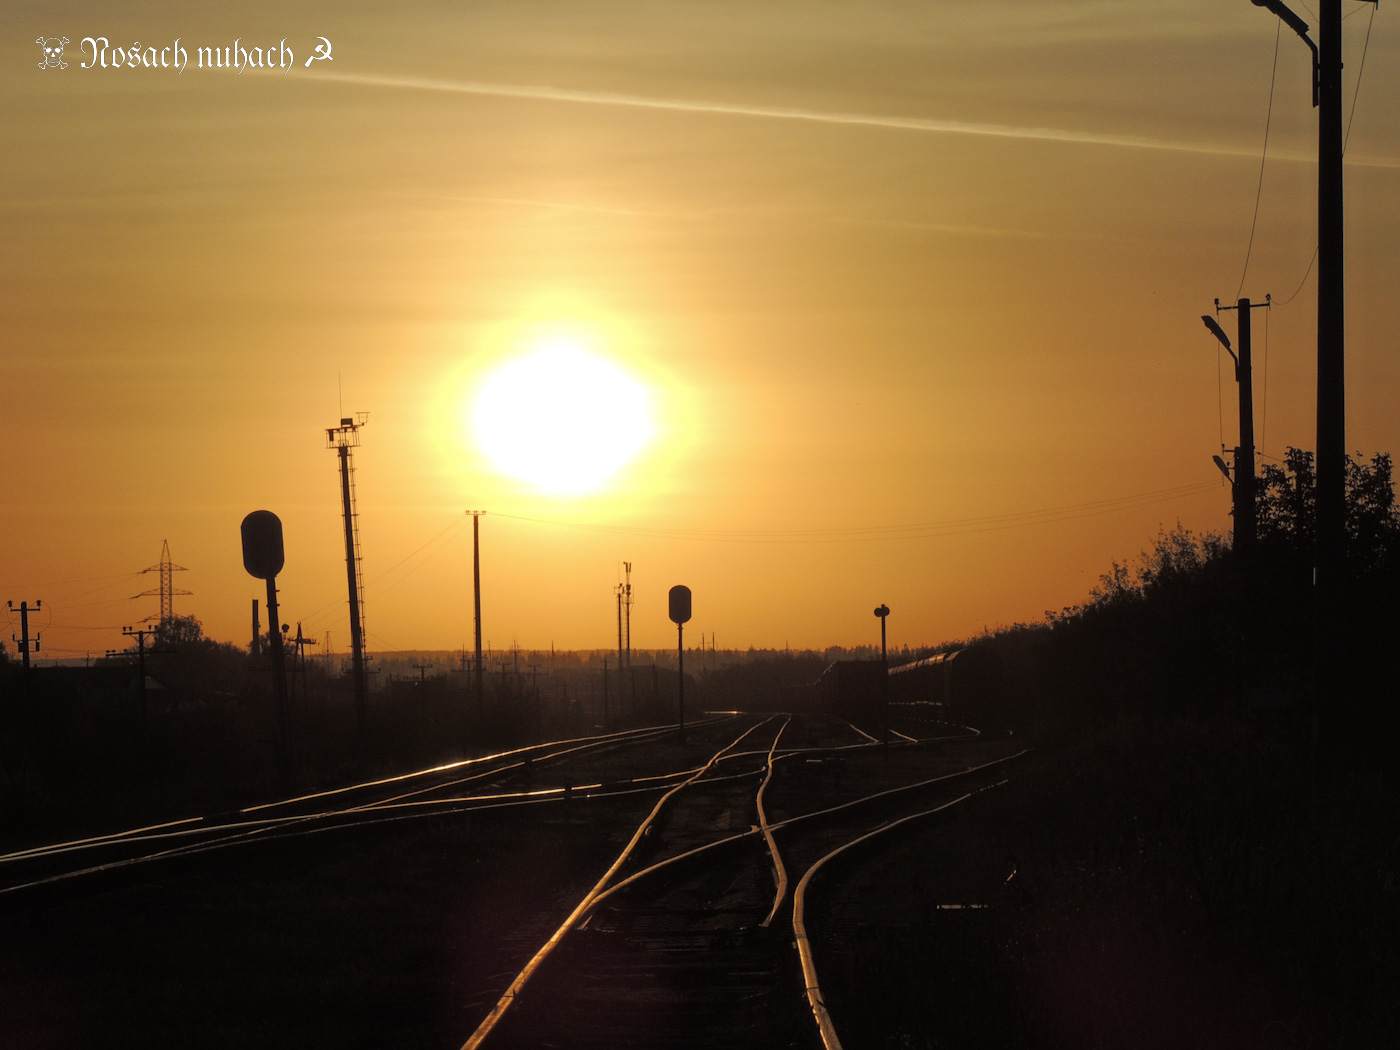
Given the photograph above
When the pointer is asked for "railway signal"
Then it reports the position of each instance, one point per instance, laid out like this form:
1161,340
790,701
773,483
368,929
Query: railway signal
679,604
263,558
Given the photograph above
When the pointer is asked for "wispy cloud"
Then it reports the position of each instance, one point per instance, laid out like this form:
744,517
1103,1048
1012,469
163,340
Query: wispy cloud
528,202
870,120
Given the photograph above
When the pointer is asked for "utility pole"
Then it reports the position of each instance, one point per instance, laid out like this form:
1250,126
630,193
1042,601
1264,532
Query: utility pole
343,438
1245,509
1329,598
23,640
883,611
1329,585
141,651
618,590
476,593
627,608
256,647
535,692
299,663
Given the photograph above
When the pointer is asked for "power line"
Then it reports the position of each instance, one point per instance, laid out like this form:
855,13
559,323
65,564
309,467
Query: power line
317,616
1259,190
1360,72
1306,274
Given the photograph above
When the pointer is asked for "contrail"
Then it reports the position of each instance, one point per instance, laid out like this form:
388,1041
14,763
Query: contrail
870,120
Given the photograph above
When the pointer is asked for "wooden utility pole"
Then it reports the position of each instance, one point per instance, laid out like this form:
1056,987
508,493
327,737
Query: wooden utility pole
23,639
141,653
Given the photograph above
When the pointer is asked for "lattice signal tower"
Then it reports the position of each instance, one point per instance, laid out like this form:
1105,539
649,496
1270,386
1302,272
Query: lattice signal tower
167,589
343,438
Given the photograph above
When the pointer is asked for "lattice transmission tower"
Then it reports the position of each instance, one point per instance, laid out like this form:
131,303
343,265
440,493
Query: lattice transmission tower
167,589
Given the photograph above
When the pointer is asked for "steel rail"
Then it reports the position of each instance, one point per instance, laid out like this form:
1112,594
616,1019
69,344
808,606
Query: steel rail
861,731
583,742
779,869
812,987
512,992
588,744
730,840
278,829
72,844
200,825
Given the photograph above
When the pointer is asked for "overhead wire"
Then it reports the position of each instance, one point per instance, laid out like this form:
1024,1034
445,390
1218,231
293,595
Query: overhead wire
1360,72
318,617
1264,413
1259,190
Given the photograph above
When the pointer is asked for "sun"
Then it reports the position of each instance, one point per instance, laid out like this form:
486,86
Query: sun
561,420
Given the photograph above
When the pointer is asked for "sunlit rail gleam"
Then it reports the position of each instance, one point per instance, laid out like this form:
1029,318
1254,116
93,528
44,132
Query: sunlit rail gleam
507,999
812,987
200,835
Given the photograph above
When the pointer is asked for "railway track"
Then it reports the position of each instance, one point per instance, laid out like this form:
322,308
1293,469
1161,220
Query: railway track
684,937
691,942
532,775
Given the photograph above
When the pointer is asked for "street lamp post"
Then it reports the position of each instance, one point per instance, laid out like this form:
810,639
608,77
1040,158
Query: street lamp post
1330,555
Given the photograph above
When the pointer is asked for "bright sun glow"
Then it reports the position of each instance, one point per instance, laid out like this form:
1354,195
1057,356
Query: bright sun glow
562,420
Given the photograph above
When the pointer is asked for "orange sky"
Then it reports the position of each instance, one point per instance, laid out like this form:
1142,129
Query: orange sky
880,265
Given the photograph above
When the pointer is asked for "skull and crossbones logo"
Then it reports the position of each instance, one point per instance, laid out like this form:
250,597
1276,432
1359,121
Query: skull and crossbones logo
53,52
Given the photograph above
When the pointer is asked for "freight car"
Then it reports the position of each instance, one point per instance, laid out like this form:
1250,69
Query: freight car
964,686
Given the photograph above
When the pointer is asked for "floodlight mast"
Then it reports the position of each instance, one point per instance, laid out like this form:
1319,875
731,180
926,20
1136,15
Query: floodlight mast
344,438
